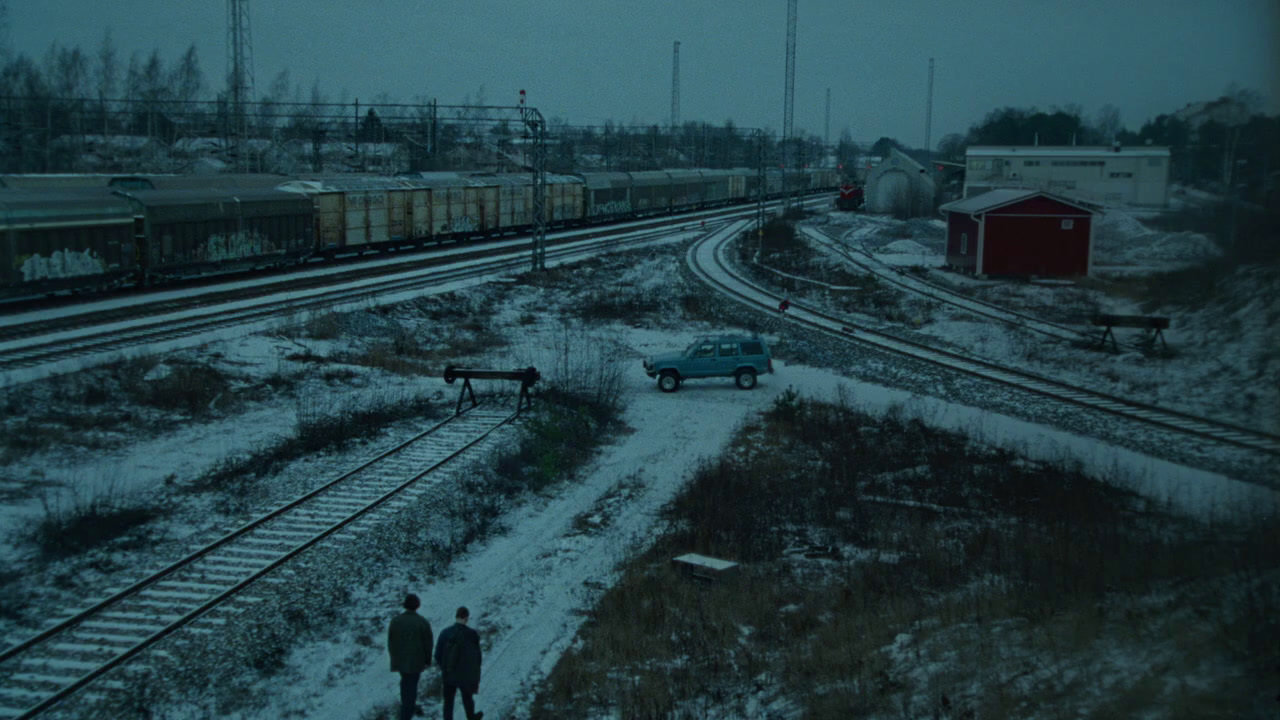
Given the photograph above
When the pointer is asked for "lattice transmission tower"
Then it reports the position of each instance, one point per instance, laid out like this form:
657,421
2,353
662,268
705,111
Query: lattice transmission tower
789,98
239,73
4,30
675,86
789,94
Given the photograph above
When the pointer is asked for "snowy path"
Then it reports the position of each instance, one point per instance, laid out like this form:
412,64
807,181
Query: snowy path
526,589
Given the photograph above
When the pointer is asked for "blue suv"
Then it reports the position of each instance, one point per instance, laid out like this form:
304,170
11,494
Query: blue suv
740,357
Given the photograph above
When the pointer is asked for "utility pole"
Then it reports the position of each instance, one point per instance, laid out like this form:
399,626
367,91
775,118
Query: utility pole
928,121
826,127
760,191
675,87
789,95
536,130
239,74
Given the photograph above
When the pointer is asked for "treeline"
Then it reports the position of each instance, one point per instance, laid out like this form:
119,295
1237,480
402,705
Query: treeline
77,111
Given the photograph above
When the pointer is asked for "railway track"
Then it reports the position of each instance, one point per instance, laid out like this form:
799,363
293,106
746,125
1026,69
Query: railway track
306,279
106,333
211,585
864,260
707,259
205,317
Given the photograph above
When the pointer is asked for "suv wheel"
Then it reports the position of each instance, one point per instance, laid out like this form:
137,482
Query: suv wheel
745,378
668,381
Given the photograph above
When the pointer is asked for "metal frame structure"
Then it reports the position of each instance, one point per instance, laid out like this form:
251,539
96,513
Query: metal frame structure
536,130
239,73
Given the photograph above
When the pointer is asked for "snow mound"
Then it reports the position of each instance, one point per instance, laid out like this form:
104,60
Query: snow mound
1180,246
1121,224
905,247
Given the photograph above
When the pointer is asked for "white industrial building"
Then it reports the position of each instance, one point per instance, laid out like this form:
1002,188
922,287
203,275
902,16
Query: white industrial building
898,182
1104,175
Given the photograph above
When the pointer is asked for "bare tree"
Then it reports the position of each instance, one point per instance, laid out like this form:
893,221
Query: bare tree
108,67
1108,124
154,85
133,78
186,81
67,70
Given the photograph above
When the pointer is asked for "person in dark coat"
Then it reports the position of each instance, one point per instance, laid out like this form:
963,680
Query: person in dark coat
409,644
458,656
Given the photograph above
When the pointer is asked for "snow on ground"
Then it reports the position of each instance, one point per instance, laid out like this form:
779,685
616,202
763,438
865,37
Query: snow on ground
909,253
1224,363
530,586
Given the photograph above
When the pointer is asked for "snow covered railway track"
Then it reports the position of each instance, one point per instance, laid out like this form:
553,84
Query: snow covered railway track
210,587
264,308
707,259
865,261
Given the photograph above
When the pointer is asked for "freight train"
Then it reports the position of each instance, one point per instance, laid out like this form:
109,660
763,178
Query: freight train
84,233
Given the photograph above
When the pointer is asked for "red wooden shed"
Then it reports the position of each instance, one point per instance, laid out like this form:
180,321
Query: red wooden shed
1016,231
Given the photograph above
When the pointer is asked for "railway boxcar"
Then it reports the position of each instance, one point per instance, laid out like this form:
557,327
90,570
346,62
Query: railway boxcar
651,192
455,205
362,212
192,232
737,185
54,241
564,202
606,195
688,188
716,186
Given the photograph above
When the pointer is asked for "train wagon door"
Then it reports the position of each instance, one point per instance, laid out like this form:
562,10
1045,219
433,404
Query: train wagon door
506,206
524,215
378,231
420,202
471,210
399,227
550,203
489,209
440,212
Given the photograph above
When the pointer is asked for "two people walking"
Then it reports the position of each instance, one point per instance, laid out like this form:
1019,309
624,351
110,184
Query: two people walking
457,653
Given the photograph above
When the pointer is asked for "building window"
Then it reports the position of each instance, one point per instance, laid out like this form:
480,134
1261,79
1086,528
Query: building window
978,164
964,243
1068,223
1030,163
1121,175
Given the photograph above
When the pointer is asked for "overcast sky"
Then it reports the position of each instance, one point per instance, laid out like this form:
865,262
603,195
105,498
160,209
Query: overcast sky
590,60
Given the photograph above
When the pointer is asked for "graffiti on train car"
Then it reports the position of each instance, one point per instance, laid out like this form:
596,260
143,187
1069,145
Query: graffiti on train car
236,246
613,207
464,224
62,264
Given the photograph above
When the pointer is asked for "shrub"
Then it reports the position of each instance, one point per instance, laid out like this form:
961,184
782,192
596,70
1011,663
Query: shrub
84,523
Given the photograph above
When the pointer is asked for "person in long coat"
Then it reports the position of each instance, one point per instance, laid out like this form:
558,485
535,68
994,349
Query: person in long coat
458,656
409,644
